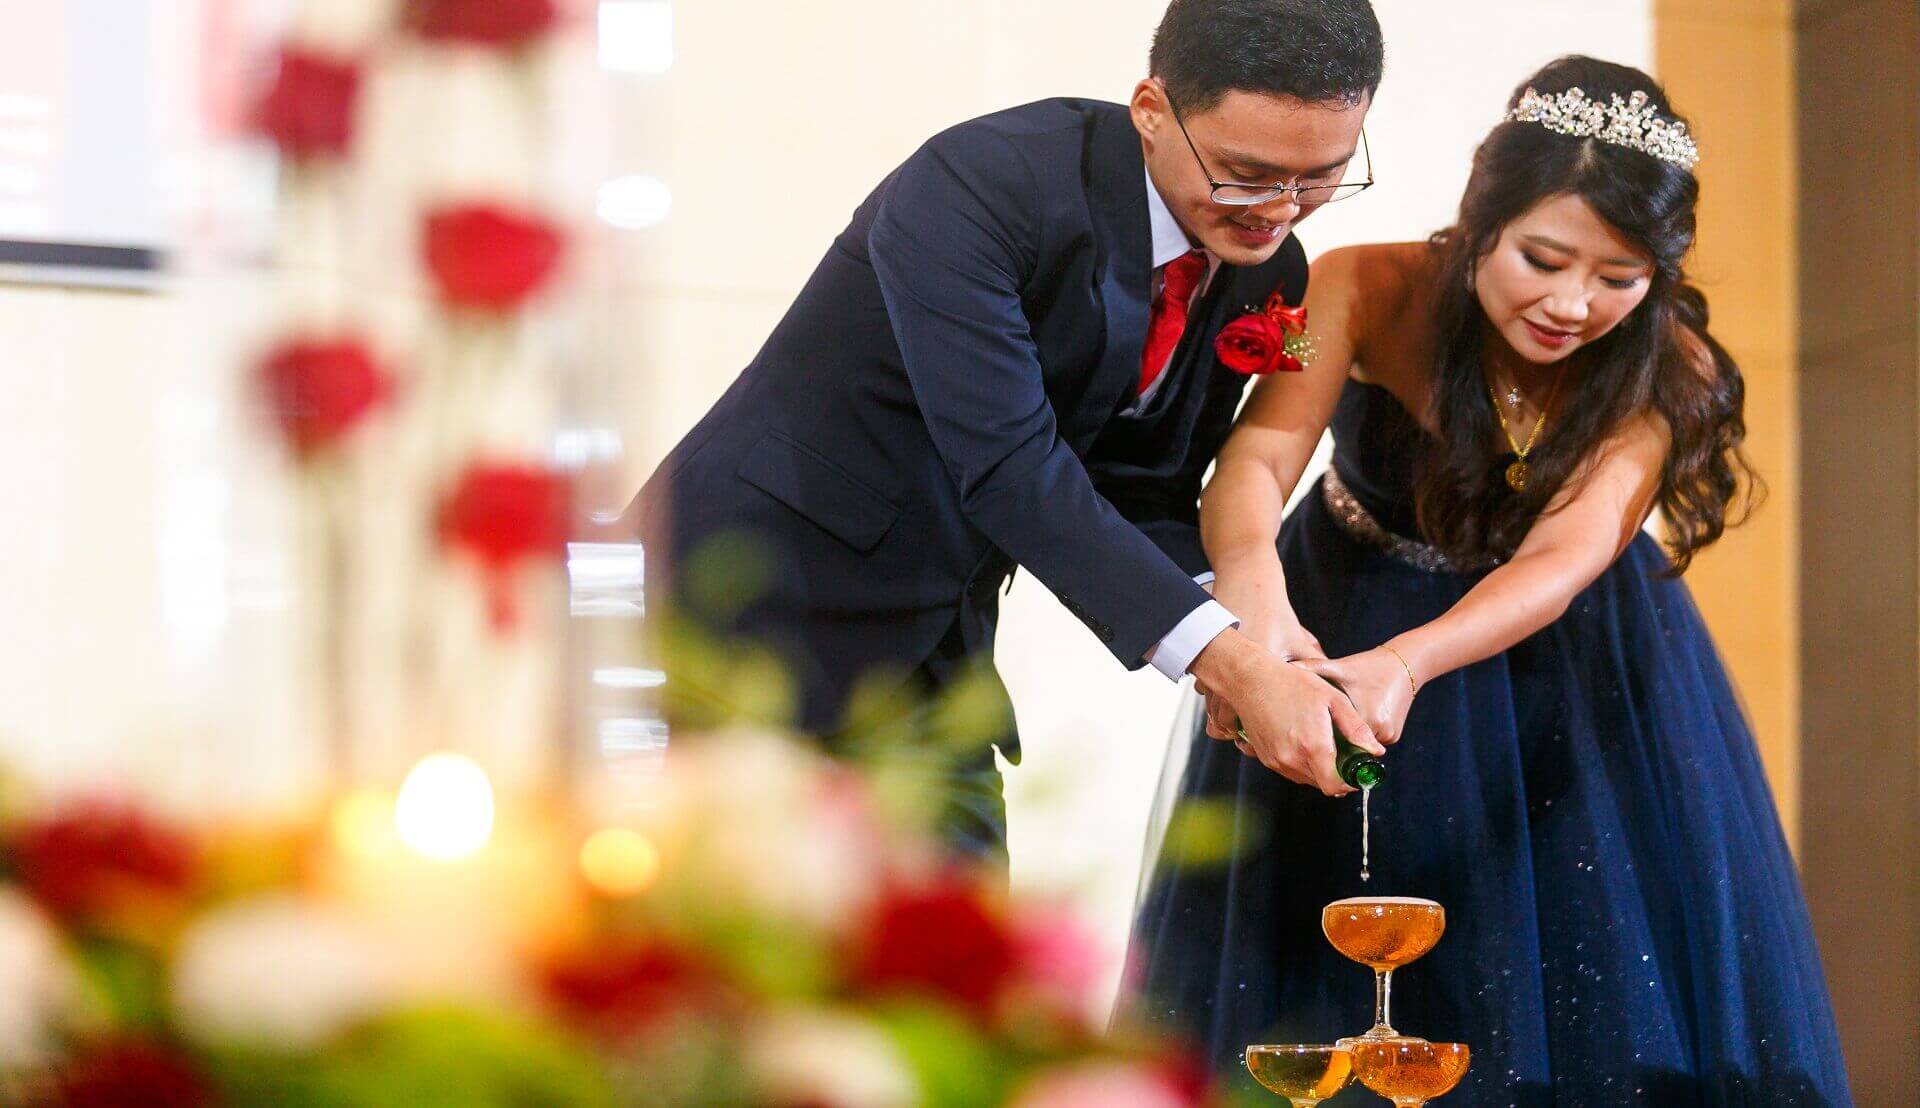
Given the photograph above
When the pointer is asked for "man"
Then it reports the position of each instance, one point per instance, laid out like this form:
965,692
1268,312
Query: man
1007,359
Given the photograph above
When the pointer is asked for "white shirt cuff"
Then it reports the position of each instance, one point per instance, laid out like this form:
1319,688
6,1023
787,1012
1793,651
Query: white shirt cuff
1189,637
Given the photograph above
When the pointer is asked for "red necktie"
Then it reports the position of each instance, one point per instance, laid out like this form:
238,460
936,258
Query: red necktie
1178,280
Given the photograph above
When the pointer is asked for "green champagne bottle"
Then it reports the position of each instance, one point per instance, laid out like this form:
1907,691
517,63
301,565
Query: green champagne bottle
1355,766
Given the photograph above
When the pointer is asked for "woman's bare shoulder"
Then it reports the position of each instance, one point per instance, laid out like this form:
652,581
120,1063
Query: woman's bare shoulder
1375,273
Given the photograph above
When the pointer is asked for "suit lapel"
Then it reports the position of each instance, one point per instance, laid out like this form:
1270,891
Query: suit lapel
1116,188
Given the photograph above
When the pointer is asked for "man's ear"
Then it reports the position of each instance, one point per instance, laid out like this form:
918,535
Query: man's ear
1149,108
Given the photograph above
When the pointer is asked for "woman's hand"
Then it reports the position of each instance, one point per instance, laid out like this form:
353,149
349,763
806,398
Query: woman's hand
1377,683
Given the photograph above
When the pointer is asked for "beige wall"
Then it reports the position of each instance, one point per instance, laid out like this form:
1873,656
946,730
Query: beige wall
1728,64
143,586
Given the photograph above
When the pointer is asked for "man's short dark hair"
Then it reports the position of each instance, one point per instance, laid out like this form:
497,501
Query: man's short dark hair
1311,50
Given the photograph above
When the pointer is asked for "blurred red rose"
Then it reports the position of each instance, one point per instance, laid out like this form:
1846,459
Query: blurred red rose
102,862
308,110
489,258
482,22
1187,1073
622,987
941,938
320,388
504,514
131,1074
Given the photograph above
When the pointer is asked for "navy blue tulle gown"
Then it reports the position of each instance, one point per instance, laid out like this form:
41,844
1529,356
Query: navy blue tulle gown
1624,922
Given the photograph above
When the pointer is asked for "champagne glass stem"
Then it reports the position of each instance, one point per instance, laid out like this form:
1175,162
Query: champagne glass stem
1383,1001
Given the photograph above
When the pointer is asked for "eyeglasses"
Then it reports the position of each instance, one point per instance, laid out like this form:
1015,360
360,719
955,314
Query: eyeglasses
1307,196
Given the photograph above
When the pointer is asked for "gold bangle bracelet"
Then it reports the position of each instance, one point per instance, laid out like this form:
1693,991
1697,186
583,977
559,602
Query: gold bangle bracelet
1415,685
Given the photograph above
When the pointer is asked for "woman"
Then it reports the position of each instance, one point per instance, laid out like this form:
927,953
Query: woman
1577,786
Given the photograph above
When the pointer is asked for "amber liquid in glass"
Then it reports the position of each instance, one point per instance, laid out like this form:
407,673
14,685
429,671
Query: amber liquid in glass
1305,1075
1384,932
1410,1071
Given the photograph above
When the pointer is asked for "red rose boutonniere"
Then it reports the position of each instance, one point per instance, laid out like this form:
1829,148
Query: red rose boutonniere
1267,340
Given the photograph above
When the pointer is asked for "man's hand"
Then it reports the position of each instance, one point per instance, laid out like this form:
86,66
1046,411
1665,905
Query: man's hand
1255,591
1289,714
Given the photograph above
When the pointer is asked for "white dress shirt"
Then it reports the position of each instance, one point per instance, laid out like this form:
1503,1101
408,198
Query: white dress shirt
1201,626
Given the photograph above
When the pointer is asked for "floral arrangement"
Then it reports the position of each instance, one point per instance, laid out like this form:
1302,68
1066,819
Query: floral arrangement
769,933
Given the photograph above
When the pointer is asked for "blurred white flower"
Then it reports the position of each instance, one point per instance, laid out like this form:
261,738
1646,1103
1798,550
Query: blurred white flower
761,823
1101,1085
35,981
278,970
343,26
801,1056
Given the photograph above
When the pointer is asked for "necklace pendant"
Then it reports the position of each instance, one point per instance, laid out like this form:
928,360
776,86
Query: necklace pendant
1513,397
1517,476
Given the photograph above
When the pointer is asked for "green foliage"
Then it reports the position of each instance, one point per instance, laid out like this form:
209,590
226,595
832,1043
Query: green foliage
440,1055
1204,833
956,1066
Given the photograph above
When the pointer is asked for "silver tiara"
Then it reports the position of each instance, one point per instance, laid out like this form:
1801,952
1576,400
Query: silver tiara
1633,123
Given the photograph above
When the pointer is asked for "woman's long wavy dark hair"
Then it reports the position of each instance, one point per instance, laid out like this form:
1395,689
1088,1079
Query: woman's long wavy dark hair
1659,358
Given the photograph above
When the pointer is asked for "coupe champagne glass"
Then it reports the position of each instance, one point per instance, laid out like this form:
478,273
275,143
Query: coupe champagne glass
1384,933
1409,1072
1305,1074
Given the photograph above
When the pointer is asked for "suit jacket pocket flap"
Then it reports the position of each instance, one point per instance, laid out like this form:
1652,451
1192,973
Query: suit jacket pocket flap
820,491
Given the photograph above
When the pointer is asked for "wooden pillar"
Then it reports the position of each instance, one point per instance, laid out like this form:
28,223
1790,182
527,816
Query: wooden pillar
1859,139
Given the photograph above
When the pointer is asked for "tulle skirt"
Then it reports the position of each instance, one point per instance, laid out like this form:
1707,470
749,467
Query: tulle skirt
1624,921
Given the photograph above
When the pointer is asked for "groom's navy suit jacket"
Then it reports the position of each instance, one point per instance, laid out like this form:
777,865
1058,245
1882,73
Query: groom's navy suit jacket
950,395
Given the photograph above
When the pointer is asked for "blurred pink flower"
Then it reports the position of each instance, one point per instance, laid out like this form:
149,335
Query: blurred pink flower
1058,961
280,971
1103,1084
752,822
816,1057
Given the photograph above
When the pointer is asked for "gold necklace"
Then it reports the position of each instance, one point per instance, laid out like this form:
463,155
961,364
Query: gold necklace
1518,471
